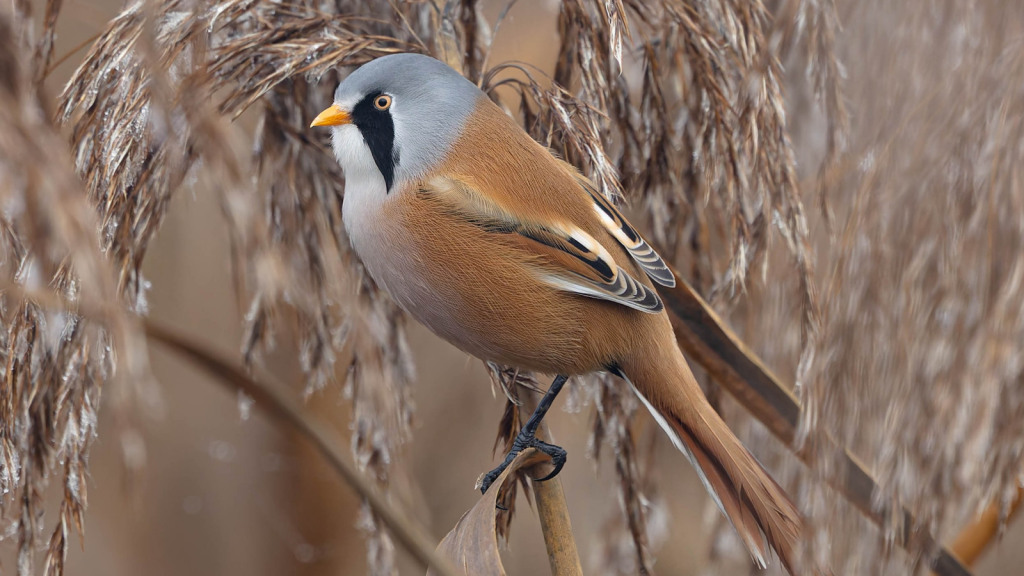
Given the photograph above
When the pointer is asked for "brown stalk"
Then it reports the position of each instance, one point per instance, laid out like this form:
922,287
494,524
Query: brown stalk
975,537
551,506
268,397
707,340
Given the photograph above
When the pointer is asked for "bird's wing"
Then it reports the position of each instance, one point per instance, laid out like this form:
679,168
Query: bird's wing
563,256
621,230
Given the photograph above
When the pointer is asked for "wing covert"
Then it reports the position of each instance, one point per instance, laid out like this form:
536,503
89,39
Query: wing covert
578,263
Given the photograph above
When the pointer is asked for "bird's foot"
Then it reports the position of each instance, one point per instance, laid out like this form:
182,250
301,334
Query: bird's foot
524,440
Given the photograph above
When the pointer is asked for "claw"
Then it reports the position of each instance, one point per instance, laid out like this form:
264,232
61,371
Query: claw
527,439
559,463
558,468
523,441
558,457
493,475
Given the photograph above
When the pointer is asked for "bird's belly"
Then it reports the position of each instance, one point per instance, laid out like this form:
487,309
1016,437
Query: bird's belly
395,266
466,291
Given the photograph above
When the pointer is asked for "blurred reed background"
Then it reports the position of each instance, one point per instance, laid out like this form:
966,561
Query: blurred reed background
874,256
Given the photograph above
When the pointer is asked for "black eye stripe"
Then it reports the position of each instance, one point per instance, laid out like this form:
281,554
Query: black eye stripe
378,130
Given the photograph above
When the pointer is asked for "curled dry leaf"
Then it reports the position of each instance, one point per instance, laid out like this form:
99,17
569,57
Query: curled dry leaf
472,545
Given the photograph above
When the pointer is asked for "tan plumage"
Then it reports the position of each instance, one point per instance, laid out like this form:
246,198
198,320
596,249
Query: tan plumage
512,256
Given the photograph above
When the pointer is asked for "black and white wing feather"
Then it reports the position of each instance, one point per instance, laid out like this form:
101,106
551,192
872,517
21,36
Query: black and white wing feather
638,248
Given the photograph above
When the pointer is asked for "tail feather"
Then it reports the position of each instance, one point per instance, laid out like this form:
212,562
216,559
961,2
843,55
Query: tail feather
746,523
754,503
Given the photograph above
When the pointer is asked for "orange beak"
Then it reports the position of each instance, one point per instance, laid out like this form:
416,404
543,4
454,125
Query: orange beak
333,116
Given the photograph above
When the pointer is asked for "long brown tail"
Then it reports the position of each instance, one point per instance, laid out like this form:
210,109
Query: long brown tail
755,504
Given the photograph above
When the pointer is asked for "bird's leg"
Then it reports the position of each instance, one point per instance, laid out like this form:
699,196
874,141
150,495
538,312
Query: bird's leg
527,438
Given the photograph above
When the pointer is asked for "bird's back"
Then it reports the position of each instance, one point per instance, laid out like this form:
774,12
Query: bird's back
496,154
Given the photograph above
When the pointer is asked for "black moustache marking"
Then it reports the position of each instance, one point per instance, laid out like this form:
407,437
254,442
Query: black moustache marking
378,130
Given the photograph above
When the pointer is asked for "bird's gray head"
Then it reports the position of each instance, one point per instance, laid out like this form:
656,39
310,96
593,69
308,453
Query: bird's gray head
394,118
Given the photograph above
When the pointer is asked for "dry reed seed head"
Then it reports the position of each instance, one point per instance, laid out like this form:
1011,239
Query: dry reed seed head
301,188
336,305
380,548
283,57
917,366
508,380
700,136
242,44
261,45
130,140
141,134
641,522
816,22
55,361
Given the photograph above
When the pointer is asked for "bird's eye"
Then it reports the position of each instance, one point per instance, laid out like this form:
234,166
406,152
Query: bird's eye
382,102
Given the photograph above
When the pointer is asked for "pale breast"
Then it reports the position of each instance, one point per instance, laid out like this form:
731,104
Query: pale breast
471,288
393,254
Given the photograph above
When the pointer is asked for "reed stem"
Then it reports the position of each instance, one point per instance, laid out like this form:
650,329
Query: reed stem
268,397
551,505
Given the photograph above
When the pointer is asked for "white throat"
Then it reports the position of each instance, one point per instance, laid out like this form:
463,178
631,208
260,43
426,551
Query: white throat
365,189
354,156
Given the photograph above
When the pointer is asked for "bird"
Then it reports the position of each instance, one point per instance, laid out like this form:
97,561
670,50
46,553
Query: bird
496,245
